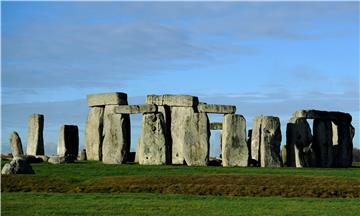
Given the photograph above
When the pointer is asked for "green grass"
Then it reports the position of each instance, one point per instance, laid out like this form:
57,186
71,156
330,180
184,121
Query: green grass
170,204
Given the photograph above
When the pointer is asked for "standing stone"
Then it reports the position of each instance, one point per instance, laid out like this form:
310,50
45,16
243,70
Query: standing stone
35,145
270,142
68,144
93,133
344,147
116,143
323,145
234,146
283,154
299,147
16,145
196,143
83,155
179,126
153,148
255,140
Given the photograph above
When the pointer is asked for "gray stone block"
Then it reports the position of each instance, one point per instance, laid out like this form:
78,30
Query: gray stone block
68,143
216,108
114,98
15,144
35,144
94,133
134,109
172,100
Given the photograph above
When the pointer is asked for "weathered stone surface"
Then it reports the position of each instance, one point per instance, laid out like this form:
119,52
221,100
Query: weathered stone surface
94,133
44,158
216,108
270,142
343,134
35,144
16,145
179,126
115,98
318,114
216,126
173,100
323,145
134,109
83,155
68,143
17,166
56,159
153,147
234,146
300,151
255,140
197,135
116,143
283,154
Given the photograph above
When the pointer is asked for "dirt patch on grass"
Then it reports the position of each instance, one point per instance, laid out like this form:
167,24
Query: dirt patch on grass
232,185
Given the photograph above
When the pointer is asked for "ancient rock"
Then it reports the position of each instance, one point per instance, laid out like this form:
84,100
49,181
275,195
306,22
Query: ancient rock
44,158
153,147
323,145
83,155
116,143
234,146
16,145
68,141
197,135
270,142
255,141
134,109
32,158
94,133
283,154
343,134
318,114
300,151
56,159
179,126
17,166
35,144
115,98
216,126
173,100
215,108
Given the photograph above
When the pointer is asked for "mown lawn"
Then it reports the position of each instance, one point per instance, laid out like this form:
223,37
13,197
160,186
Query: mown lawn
169,204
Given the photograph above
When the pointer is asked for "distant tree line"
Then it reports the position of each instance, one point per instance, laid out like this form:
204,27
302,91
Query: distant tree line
356,155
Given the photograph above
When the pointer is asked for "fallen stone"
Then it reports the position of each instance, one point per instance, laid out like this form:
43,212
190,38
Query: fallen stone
116,143
173,100
17,166
153,147
134,109
68,143
234,146
16,145
83,155
115,98
215,108
56,159
216,126
94,133
35,144
270,142
32,159
197,135
44,158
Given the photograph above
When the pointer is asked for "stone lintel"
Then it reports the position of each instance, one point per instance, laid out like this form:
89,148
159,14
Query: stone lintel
173,100
216,108
114,98
134,109
318,114
216,126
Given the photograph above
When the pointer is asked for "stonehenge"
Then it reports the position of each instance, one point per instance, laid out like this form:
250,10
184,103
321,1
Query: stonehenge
176,130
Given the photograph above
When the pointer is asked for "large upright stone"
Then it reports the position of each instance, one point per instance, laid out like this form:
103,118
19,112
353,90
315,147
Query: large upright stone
94,133
68,144
115,98
116,143
323,145
173,100
270,142
179,126
234,146
35,145
16,145
153,147
255,140
299,147
197,135
216,108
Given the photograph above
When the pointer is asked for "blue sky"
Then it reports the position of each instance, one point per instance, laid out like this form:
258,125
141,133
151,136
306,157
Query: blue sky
265,58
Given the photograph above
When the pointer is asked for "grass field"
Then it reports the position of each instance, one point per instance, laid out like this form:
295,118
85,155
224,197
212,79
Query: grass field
93,188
